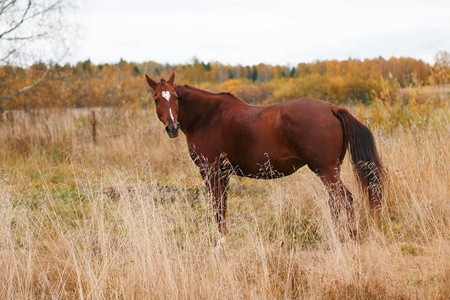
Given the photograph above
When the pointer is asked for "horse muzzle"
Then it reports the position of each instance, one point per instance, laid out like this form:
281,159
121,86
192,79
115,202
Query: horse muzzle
172,130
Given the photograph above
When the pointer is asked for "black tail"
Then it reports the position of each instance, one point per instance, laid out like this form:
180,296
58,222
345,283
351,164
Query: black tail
364,156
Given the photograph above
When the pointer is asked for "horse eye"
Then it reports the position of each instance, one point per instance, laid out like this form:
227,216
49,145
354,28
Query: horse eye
156,101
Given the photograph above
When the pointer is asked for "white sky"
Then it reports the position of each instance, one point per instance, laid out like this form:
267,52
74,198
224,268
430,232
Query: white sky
255,31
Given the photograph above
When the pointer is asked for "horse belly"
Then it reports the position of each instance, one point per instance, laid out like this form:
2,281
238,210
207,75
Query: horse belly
266,166
263,152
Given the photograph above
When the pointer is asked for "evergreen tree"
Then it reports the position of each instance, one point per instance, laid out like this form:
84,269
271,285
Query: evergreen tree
292,72
254,73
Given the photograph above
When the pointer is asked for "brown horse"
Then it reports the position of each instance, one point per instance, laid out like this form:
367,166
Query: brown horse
227,136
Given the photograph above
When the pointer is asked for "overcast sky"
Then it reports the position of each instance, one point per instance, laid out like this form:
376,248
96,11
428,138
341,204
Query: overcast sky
255,31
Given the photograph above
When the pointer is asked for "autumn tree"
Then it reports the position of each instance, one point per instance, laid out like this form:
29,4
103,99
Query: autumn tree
441,71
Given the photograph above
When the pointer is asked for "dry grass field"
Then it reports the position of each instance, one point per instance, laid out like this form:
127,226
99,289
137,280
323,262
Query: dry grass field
127,216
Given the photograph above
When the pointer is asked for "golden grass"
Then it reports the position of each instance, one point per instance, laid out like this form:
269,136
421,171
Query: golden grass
128,217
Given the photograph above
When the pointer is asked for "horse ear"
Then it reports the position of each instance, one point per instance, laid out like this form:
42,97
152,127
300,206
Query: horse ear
172,78
150,81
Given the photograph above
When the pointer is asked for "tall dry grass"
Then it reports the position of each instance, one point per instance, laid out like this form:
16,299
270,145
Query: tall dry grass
128,217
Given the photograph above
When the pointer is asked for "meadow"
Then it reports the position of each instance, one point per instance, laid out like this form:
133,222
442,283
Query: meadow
99,203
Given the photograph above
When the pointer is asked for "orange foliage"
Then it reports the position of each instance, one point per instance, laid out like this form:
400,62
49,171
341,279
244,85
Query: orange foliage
123,84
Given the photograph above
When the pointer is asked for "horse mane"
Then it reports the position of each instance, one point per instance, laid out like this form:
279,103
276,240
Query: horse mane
181,90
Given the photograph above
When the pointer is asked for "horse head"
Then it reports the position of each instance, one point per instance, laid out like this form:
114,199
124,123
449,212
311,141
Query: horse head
166,103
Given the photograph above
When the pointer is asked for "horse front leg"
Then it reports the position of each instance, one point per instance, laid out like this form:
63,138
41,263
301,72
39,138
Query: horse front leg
217,185
219,195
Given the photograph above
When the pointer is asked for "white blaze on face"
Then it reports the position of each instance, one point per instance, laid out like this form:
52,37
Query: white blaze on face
166,95
171,115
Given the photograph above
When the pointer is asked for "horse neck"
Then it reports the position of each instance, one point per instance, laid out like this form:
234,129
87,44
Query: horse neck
194,106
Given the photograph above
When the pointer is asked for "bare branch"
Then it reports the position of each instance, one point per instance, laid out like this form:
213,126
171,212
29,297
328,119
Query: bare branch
29,32
19,23
24,38
9,54
4,7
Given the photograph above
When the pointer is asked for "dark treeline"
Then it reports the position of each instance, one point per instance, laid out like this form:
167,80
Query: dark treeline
122,84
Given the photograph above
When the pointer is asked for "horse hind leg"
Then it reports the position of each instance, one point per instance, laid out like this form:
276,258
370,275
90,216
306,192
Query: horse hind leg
350,212
339,197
